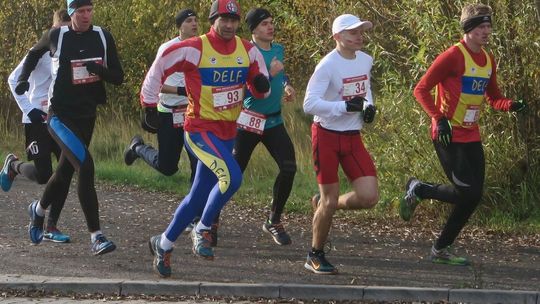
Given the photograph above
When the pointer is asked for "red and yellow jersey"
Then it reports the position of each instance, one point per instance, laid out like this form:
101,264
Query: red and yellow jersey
216,73
463,80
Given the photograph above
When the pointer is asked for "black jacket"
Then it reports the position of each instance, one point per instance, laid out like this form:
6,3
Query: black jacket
76,100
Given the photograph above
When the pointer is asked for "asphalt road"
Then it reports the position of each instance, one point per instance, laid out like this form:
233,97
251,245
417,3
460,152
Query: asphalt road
369,251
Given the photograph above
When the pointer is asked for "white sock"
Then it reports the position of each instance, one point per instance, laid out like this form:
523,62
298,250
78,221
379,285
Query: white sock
94,235
200,226
39,210
164,243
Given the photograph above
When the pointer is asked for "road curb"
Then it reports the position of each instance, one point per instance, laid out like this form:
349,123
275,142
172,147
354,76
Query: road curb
274,291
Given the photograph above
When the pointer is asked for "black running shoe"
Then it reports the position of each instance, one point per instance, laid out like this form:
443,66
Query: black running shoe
317,263
278,233
129,154
408,203
101,245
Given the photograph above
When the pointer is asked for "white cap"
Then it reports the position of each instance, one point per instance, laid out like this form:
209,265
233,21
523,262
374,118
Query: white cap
348,22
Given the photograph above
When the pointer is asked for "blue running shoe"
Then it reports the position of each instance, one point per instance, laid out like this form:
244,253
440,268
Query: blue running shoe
7,175
101,245
54,235
35,228
162,258
202,243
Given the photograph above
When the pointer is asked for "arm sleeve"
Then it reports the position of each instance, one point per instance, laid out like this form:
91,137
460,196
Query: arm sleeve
441,68
256,66
493,94
174,59
22,100
314,103
113,73
33,56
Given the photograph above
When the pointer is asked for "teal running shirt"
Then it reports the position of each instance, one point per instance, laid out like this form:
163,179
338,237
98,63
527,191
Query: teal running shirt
271,104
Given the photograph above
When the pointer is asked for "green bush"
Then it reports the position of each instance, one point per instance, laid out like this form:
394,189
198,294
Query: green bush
406,38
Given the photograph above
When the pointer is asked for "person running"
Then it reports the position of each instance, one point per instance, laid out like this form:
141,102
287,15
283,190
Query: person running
261,121
166,117
339,96
464,76
39,144
216,66
83,56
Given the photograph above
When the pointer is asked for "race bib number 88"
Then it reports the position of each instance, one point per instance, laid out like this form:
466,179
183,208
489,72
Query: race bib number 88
251,121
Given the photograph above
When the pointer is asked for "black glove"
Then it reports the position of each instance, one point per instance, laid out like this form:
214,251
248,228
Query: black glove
181,91
150,120
261,83
94,68
22,86
369,113
444,131
356,104
37,116
518,106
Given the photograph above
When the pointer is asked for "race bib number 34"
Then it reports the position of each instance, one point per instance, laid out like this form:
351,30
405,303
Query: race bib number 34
79,72
354,86
227,97
251,121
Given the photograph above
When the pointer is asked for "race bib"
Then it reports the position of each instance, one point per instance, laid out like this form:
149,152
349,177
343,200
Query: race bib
472,114
354,86
227,97
251,121
178,116
79,72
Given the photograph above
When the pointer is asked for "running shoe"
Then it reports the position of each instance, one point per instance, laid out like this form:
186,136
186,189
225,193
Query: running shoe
446,256
192,225
35,228
162,258
202,243
129,153
7,175
408,203
317,263
278,233
102,246
214,234
54,235
315,202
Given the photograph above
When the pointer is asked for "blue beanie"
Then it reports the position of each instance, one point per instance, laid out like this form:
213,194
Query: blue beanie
73,5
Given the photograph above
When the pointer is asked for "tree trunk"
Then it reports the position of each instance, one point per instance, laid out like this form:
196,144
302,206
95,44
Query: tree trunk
538,10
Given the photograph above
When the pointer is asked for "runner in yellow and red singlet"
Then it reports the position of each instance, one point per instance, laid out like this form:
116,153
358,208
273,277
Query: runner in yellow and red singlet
217,66
464,77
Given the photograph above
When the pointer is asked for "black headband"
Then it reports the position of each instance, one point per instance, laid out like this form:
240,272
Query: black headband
469,24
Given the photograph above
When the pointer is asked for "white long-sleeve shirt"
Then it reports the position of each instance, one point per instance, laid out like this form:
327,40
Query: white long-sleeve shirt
37,95
335,80
176,79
